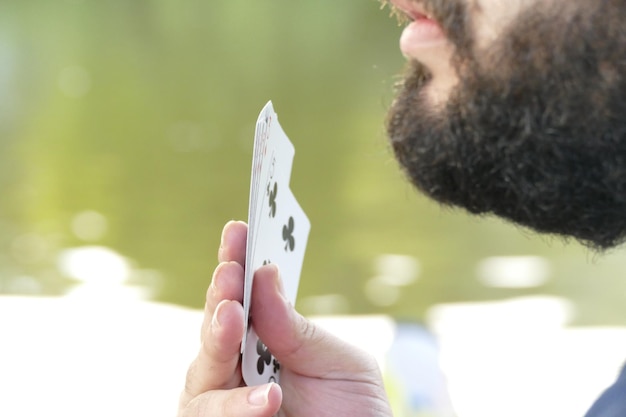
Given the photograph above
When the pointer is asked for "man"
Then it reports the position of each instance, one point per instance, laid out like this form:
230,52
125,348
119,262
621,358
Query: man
509,107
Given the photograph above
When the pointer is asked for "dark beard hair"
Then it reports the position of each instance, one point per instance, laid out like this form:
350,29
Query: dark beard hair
535,131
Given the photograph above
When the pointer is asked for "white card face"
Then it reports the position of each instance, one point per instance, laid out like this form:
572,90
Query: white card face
278,233
282,239
258,365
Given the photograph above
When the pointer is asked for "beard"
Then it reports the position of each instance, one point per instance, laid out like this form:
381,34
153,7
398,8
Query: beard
535,129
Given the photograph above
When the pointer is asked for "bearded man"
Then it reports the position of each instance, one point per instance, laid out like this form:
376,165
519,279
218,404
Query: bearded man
509,107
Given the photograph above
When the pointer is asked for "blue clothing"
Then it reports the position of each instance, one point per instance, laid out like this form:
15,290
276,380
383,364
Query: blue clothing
612,403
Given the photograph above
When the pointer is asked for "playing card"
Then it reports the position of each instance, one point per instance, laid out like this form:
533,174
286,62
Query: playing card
277,233
263,164
261,135
284,237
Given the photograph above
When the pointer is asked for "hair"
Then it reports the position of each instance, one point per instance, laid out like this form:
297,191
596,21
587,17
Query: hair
535,131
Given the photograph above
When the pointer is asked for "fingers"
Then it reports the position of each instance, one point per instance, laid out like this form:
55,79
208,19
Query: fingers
233,243
261,401
216,366
297,343
226,284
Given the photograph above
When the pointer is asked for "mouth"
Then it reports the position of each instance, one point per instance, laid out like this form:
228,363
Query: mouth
422,34
408,10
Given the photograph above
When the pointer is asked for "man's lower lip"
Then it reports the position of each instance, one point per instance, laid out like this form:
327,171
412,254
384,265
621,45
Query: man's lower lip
419,34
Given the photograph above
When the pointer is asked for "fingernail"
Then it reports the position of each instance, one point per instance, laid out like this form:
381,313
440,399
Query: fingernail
259,395
222,237
215,321
226,227
279,281
215,280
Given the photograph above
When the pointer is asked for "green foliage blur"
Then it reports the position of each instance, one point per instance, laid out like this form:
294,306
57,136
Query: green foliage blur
144,111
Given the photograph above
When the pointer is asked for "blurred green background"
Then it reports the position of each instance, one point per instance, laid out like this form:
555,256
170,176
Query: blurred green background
129,125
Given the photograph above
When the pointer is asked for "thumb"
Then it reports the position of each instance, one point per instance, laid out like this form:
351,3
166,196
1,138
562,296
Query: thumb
299,344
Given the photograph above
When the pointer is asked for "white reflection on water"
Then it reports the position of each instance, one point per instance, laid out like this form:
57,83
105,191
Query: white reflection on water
71,357
95,265
89,225
533,313
64,357
324,305
392,272
519,357
398,270
514,271
23,284
380,293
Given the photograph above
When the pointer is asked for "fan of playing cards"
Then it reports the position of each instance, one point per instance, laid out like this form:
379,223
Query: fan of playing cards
278,230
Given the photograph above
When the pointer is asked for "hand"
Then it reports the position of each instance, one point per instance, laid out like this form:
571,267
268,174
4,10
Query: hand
320,374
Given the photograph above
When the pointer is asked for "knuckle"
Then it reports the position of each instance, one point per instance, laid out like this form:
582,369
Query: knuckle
196,408
307,334
191,378
214,352
308,330
211,404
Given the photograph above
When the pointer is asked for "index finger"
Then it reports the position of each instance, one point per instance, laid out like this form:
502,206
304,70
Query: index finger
233,244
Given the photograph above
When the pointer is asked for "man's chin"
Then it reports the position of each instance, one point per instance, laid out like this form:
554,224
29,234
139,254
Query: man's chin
554,179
